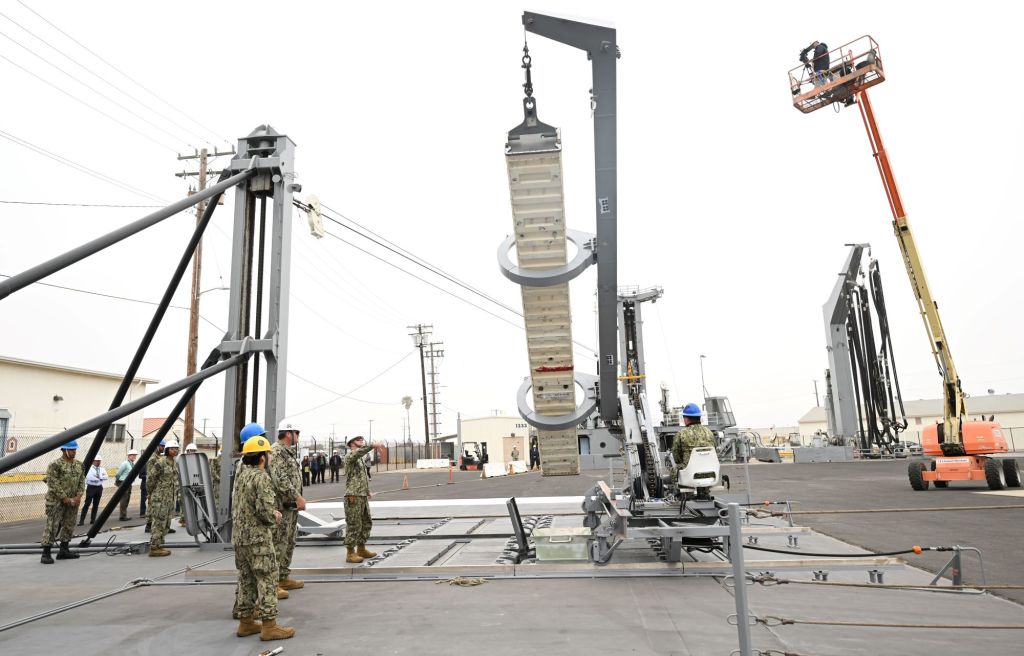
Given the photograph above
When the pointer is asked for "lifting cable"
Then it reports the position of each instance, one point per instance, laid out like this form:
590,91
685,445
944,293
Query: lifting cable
773,620
769,581
761,513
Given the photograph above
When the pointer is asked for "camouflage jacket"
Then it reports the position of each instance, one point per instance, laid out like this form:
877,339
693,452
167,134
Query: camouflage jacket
687,439
357,483
161,478
252,509
285,475
64,478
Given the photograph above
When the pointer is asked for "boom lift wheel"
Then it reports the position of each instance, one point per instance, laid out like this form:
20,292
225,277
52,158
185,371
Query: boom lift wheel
995,474
1011,471
939,484
914,471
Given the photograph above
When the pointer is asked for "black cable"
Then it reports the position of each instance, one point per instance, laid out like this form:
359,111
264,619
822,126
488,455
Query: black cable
835,555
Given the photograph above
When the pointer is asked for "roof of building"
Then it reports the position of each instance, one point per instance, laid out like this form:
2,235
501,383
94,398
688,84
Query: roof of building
151,424
74,370
988,404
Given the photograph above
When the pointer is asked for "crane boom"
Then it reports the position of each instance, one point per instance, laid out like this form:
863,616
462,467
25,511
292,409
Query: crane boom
954,409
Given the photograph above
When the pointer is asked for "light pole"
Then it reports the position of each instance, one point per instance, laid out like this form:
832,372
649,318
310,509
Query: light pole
702,385
369,439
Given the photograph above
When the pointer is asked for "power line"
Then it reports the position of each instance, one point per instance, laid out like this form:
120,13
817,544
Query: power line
350,398
90,88
125,75
103,79
92,107
79,167
27,202
415,259
405,254
354,389
115,297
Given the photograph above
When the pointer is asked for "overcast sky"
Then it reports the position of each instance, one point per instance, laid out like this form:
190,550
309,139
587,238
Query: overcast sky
729,198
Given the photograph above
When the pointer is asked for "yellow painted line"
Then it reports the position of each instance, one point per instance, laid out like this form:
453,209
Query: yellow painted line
28,478
20,478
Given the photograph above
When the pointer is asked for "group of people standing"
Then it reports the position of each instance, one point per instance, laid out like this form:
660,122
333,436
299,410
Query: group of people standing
266,500
316,464
66,482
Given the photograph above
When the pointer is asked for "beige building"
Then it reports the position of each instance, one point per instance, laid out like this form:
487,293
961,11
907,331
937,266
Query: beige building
499,433
1007,409
39,400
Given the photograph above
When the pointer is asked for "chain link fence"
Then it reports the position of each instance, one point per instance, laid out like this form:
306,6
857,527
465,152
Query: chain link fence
22,490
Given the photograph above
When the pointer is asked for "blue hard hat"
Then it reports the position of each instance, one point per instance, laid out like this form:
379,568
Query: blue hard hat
163,442
691,410
251,430
73,444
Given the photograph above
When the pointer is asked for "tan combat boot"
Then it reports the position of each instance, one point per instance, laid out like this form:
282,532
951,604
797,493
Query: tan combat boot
352,556
282,593
247,626
291,584
271,631
362,551
158,551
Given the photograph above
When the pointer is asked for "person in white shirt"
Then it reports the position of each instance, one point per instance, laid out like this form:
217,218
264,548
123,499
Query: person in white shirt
122,473
93,488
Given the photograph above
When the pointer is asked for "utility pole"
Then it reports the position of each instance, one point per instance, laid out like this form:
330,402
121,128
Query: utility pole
419,339
197,261
817,401
438,353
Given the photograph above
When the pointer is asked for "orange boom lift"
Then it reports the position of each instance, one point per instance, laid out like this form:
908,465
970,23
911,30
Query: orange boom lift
959,450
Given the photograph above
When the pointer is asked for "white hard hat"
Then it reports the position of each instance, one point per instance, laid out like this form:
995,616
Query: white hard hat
171,444
98,457
191,448
287,426
133,452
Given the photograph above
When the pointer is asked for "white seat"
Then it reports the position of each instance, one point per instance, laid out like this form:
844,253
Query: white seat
702,470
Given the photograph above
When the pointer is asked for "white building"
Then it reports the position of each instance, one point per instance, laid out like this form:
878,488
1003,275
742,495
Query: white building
499,433
1007,409
39,400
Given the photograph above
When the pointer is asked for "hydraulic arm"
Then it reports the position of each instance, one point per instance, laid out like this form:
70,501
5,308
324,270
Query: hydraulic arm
951,430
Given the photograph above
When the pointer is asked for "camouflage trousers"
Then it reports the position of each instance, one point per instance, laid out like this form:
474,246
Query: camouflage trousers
256,595
284,541
357,520
159,520
60,521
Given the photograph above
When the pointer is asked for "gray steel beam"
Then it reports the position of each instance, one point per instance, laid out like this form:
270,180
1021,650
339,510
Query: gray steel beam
40,271
271,155
599,44
840,393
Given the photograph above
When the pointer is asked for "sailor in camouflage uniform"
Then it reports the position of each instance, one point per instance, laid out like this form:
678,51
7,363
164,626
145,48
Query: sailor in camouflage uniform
693,435
287,480
65,484
162,483
357,501
253,516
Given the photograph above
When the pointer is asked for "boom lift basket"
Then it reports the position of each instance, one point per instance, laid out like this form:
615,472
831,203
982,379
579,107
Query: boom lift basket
853,67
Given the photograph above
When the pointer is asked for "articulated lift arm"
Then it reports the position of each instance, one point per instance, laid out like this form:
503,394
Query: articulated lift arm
951,434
